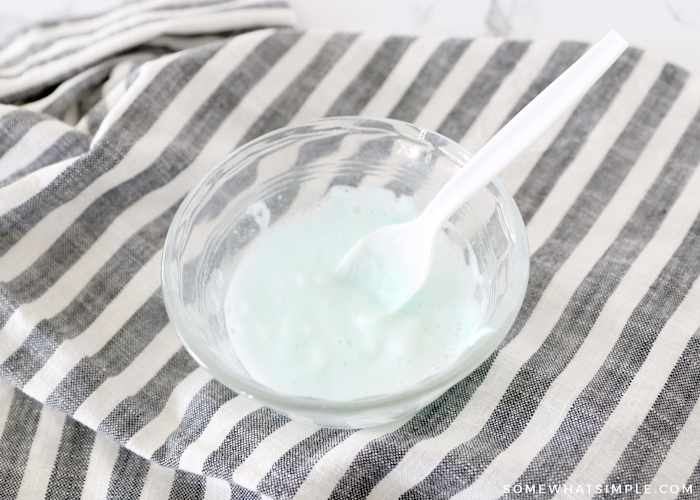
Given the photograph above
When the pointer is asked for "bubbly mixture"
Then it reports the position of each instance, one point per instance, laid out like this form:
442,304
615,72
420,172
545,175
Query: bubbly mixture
300,330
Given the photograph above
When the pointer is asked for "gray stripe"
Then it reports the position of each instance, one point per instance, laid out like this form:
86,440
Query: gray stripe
283,109
534,378
694,483
240,442
69,470
119,352
564,56
86,101
194,421
238,492
44,339
95,117
480,91
16,441
358,93
14,125
187,486
69,145
128,476
134,412
662,424
107,153
289,472
566,146
179,154
429,78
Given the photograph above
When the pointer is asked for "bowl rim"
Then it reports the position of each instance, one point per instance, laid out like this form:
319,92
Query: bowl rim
433,385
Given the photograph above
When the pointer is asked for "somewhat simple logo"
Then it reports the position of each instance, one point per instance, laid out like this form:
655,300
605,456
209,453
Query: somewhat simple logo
638,489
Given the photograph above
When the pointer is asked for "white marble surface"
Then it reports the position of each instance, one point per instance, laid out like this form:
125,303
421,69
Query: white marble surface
671,28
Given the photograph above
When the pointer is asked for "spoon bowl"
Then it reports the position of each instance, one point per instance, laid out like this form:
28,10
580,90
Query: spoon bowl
392,263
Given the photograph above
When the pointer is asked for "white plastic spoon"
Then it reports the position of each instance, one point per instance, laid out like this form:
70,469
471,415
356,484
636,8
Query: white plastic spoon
393,262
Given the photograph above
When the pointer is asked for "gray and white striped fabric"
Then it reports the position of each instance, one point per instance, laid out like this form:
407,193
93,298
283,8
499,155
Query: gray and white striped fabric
109,122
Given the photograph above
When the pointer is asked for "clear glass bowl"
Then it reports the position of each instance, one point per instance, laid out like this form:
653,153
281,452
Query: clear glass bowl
289,169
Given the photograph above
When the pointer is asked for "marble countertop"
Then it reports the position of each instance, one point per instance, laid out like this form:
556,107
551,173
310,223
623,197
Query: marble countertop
670,28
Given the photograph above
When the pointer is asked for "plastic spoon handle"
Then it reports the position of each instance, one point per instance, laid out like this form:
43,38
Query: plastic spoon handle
525,128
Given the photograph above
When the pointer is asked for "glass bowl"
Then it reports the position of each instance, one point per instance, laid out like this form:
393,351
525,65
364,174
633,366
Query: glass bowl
288,170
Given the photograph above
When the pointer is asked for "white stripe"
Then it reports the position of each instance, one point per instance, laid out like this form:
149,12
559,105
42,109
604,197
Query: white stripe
103,456
683,455
115,95
18,192
217,489
69,353
402,76
151,436
71,115
420,461
31,146
130,381
269,451
453,86
158,483
556,402
148,278
7,394
341,74
225,418
143,153
601,139
607,447
7,108
331,467
42,454
508,94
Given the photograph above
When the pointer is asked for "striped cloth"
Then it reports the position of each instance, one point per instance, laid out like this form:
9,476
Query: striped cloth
109,122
